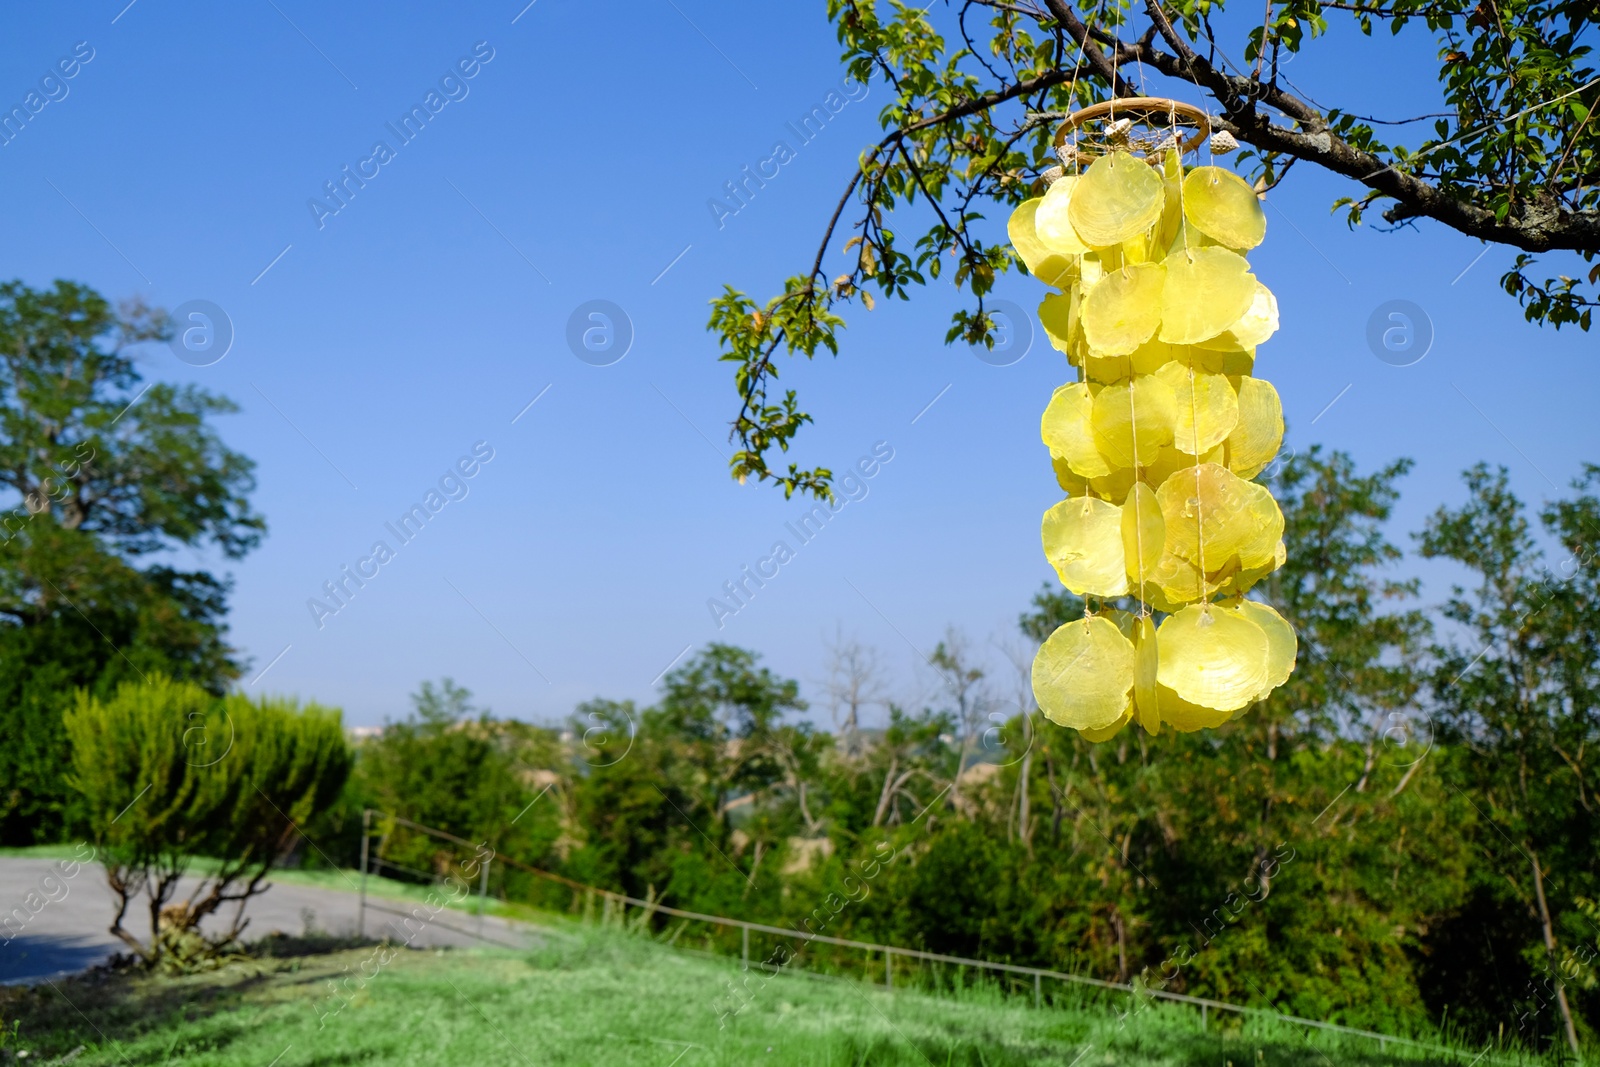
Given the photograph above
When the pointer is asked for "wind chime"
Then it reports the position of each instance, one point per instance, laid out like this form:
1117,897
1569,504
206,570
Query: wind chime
1156,442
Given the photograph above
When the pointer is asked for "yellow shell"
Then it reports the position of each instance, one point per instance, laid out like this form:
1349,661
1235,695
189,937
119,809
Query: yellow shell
1188,718
1051,223
1102,369
1188,236
1259,432
1047,265
1259,323
1118,197
1108,732
1207,407
1144,534
1262,549
1281,644
1146,665
1133,420
1172,209
1150,357
1222,205
1066,430
1058,314
1213,515
1083,673
1176,583
1124,310
1247,577
1207,291
1169,461
1213,658
1114,486
1083,541
1090,270
1198,358
1071,483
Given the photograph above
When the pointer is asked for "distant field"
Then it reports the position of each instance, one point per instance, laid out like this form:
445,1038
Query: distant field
604,998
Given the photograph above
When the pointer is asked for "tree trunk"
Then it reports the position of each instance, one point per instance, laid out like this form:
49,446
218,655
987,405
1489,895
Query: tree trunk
1550,952
805,812
887,794
1024,829
1122,944
1055,803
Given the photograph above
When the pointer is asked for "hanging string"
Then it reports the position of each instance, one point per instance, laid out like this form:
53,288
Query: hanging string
1194,428
1073,84
1133,492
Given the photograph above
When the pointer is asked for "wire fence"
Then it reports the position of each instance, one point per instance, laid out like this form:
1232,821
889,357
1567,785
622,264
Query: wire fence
617,905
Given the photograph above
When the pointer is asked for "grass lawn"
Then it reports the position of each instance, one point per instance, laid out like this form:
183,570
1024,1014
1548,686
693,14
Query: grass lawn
601,997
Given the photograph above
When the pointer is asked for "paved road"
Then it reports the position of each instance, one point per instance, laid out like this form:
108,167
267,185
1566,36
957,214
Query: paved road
69,933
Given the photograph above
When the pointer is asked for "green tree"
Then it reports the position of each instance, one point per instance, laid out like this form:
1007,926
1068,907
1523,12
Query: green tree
453,766
169,773
715,746
100,477
1516,689
1508,156
1262,861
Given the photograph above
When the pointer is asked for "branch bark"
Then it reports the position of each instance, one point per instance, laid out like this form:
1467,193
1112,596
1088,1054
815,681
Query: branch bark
1542,226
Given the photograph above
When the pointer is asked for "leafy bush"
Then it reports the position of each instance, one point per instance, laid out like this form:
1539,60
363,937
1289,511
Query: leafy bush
168,772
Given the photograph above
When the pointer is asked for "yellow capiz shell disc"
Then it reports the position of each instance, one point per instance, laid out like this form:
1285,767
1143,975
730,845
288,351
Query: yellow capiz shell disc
1213,658
1258,434
1083,673
1263,511
1146,666
1169,461
1046,264
1133,420
1114,486
1107,733
1071,483
1172,210
1175,584
1257,324
1059,315
1207,408
1207,291
1118,197
1216,356
1150,357
1214,515
1051,222
1124,310
1082,539
1187,718
1246,577
1144,534
1222,205
1282,646
1091,268
1066,430
1106,369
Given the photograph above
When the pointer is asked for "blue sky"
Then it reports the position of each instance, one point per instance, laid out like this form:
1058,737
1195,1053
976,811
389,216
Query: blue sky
376,346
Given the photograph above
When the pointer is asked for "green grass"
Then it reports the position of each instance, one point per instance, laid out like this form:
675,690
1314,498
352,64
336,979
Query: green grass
601,997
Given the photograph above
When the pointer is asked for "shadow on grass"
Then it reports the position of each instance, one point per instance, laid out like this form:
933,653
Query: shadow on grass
120,1004
1202,1050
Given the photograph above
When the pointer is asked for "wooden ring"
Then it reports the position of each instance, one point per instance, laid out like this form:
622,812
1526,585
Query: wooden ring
1173,110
